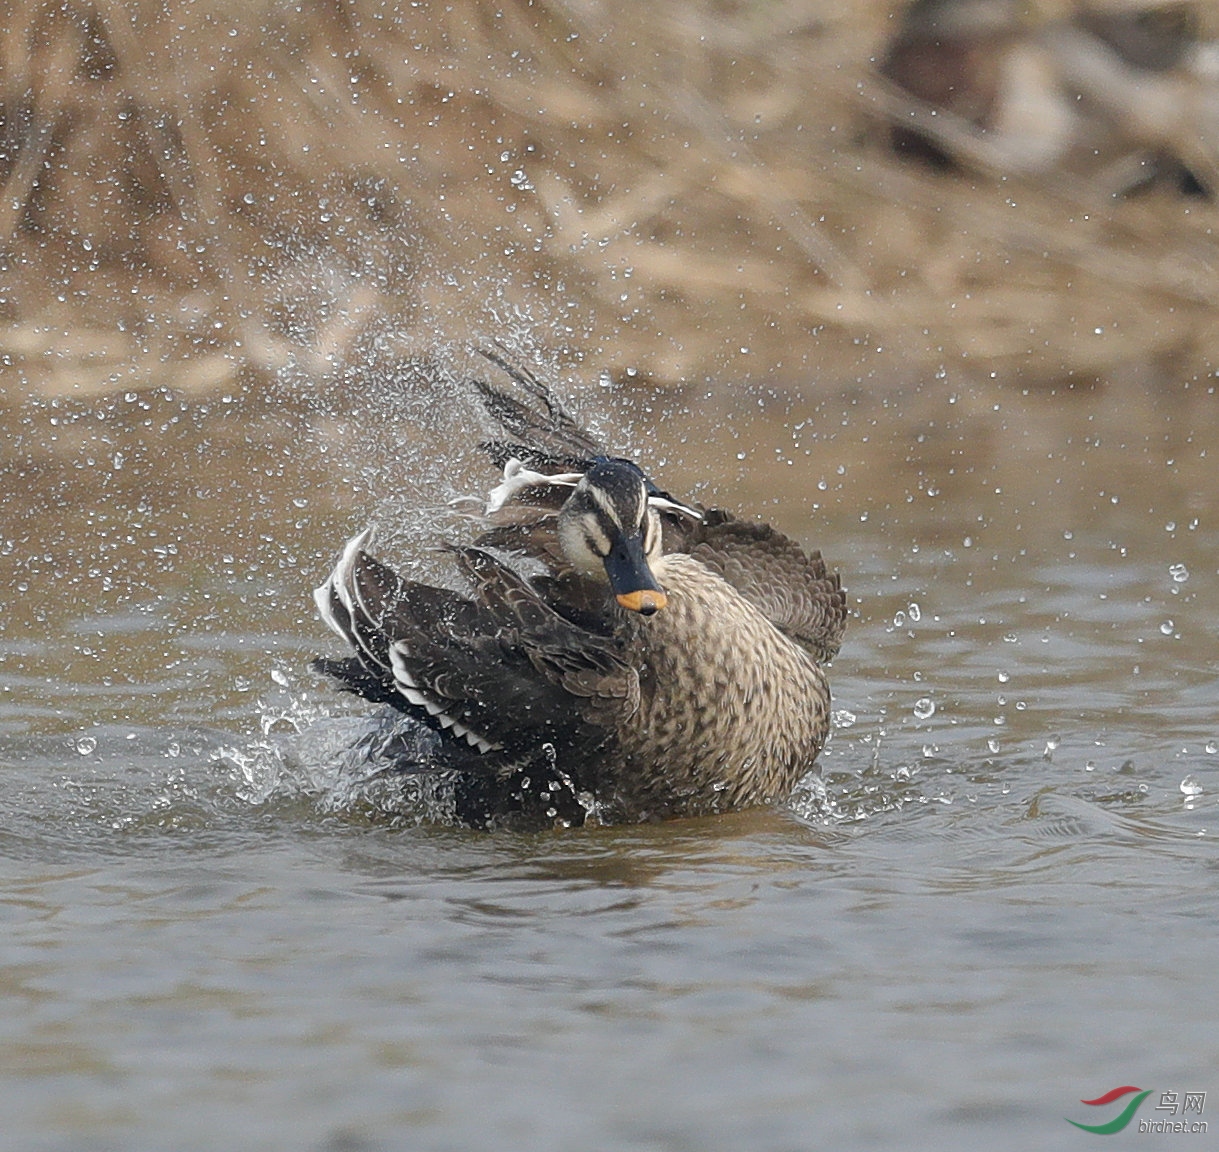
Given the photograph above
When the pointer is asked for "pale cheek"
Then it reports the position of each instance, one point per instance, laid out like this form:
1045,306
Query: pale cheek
655,548
578,553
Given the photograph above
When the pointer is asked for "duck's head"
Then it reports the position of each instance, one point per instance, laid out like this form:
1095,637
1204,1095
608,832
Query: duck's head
609,531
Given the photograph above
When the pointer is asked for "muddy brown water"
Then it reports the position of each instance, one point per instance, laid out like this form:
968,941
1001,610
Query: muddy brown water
1000,904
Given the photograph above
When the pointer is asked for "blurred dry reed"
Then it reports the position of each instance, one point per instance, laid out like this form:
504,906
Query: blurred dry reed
197,194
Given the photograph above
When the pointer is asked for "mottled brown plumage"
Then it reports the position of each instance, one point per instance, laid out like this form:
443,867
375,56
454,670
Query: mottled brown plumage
619,652
731,712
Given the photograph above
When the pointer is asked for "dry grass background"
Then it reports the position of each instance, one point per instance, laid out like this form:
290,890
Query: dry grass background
202,194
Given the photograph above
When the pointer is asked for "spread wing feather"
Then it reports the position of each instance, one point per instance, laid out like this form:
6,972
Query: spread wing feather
551,438
502,669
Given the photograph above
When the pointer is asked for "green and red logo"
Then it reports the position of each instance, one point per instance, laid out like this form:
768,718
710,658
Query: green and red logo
1122,1118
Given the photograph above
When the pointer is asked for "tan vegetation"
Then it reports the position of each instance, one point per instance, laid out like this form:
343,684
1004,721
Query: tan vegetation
197,193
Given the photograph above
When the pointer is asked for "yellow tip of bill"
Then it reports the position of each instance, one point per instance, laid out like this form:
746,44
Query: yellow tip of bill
646,600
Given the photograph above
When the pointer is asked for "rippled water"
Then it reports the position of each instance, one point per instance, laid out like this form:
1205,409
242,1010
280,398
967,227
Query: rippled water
1001,903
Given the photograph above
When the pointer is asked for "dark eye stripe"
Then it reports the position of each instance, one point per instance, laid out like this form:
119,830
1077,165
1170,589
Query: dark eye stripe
597,539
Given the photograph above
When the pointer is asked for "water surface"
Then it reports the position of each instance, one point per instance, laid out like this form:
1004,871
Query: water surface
1000,903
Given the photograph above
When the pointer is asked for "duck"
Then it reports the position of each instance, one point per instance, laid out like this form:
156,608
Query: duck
617,654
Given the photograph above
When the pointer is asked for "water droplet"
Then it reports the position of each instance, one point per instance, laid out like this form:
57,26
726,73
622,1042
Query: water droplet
1212,747
1004,677
86,745
1167,627
1190,786
993,744
1179,573
279,677
842,718
924,708
915,612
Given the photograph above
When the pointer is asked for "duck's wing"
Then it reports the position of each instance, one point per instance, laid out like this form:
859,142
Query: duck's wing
547,437
794,589
501,670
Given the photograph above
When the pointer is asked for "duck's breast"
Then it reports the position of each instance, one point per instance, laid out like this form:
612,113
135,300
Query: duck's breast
731,712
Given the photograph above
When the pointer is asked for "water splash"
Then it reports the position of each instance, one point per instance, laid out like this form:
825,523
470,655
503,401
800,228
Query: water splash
337,764
811,800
